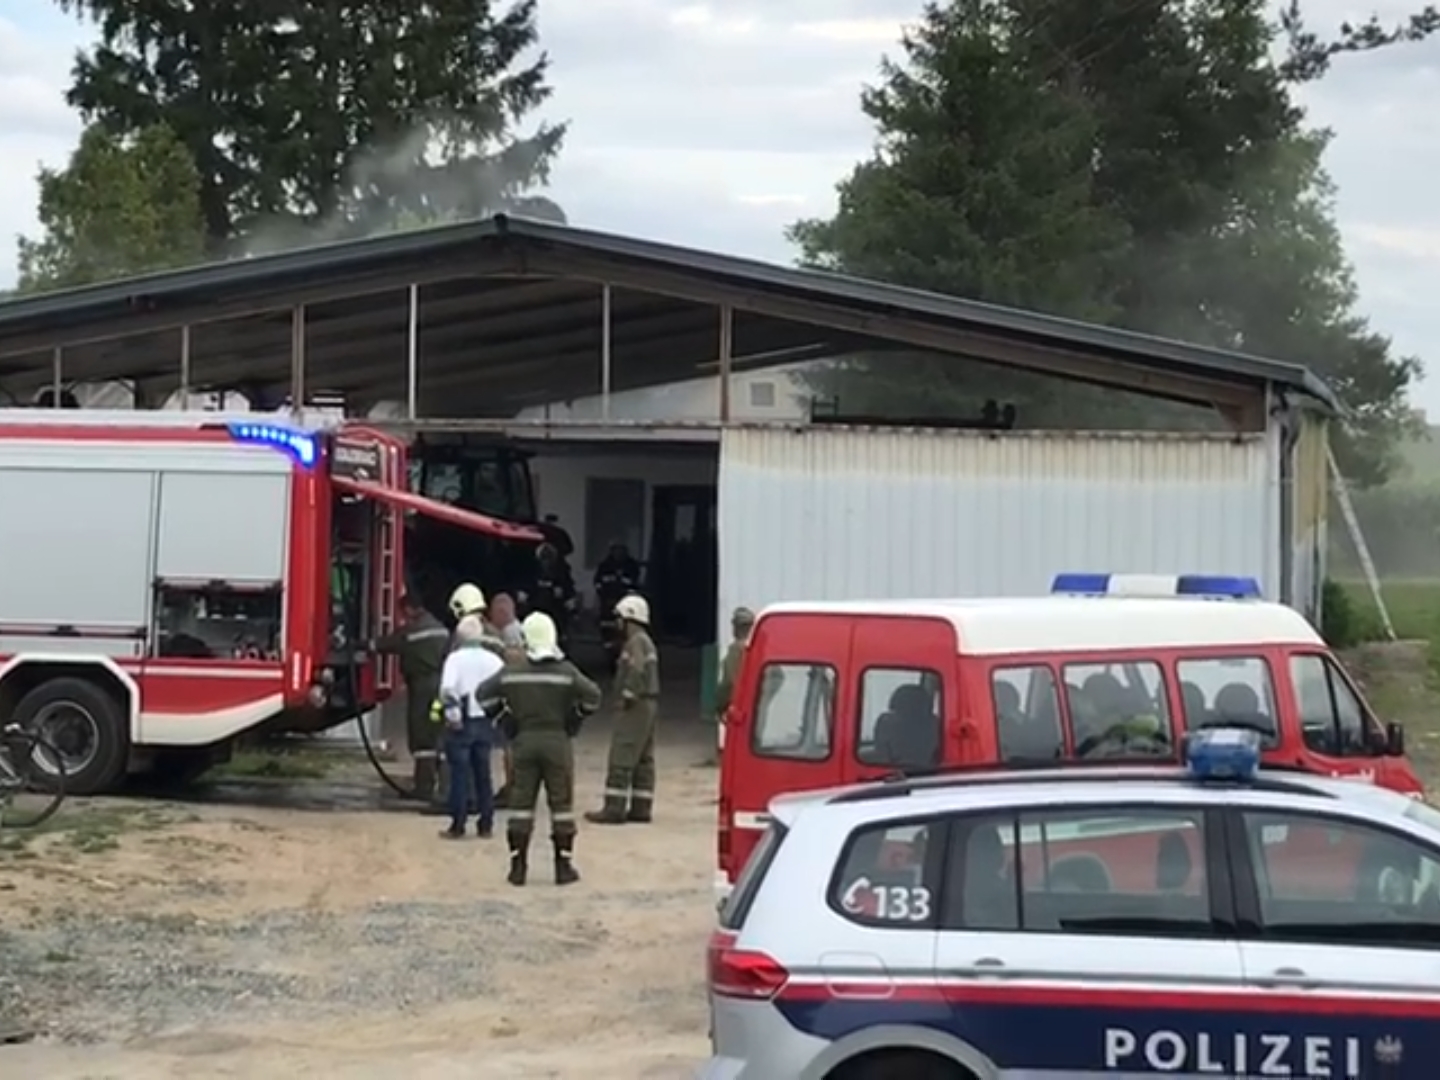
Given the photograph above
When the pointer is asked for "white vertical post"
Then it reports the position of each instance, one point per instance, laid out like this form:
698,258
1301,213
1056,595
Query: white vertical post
185,367
413,355
297,362
605,352
727,348
57,376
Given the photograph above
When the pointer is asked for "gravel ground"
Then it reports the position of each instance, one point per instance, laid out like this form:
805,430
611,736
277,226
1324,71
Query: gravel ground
234,939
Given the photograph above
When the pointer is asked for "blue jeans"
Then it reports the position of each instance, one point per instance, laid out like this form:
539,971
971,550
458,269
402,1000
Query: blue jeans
467,752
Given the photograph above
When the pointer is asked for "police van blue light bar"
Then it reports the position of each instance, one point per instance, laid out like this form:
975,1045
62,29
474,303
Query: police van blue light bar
1199,586
1223,754
300,445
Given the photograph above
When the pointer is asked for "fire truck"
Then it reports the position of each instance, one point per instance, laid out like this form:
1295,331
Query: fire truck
171,581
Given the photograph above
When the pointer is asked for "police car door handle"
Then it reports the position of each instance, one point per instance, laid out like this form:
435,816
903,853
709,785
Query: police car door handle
1287,976
988,963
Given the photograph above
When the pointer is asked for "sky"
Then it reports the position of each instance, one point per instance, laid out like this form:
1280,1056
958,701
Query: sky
716,130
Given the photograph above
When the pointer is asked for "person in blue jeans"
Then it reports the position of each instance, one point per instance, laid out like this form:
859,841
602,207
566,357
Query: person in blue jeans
469,691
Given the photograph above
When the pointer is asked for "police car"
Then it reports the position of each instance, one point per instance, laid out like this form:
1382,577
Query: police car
1216,919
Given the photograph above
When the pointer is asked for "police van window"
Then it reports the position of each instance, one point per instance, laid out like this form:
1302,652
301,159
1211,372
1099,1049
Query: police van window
1102,870
1027,713
900,721
794,712
885,877
1234,691
1332,719
1118,710
1342,883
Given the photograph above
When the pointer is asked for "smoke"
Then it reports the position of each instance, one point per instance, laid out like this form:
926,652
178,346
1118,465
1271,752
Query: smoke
431,175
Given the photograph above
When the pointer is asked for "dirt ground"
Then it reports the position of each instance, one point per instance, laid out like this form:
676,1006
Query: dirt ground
279,926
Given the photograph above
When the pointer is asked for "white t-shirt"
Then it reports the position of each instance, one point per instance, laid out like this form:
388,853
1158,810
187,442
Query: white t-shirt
466,670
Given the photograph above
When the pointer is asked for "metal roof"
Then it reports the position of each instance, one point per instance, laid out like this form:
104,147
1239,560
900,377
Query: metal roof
510,315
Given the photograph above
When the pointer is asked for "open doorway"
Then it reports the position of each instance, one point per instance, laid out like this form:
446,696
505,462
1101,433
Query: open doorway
683,565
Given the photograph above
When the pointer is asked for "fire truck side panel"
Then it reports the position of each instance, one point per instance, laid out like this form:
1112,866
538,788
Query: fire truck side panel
93,528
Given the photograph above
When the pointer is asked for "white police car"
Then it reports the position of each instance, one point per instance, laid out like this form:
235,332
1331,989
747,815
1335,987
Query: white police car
1219,920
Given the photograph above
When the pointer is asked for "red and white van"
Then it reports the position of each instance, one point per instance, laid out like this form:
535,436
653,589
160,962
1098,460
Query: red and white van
832,693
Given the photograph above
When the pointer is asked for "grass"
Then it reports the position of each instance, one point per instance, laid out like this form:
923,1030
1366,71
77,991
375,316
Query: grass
274,763
84,829
1413,604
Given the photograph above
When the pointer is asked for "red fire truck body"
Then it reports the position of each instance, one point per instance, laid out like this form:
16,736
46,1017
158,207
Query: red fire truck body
171,581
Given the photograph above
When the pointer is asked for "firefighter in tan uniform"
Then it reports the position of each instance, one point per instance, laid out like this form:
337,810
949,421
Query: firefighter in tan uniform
742,622
420,643
630,774
548,697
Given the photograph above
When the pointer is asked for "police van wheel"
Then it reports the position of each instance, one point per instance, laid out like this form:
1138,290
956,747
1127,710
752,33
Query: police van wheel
901,1065
87,726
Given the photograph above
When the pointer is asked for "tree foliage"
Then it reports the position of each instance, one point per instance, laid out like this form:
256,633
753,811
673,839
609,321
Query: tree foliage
123,205
1141,164
332,119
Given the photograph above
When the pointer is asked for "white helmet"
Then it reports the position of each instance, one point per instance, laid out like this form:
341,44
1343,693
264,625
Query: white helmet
634,608
467,600
470,630
542,642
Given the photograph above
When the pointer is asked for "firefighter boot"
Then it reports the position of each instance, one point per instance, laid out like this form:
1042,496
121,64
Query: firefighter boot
641,809
519,855
565,872
422,777
612,813
435,804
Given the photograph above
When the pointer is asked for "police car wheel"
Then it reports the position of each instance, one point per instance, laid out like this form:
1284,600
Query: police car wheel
901,1065
86,724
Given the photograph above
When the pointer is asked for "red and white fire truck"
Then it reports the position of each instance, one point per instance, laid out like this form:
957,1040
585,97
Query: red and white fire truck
170,581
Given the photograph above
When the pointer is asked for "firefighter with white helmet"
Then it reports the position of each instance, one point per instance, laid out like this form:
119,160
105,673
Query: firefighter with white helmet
467,599
547,698
630,773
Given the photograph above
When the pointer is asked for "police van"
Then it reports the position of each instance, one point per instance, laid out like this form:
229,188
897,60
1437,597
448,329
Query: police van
1108,668
1118,921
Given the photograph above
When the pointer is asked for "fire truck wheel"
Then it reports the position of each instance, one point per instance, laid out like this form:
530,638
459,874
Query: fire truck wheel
86,724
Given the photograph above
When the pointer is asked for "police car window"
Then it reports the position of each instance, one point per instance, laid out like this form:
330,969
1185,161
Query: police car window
1103,871
1234,691
737,906
794,712
900,721
884,877
1332,719
1338,882
1118,710
1027,713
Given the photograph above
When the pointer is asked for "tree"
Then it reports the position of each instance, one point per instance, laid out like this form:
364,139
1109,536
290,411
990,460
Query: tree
339,117
122,206
1198,159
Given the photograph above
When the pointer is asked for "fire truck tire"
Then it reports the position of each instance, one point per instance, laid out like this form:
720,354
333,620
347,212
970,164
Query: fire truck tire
103,716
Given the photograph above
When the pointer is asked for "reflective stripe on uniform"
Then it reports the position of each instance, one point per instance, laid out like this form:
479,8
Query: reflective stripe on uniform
522,815
536,678
559,818
643,796
427,633
616,793
419,754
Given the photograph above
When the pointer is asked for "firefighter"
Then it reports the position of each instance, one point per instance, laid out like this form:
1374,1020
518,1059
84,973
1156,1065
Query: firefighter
469,700
742,621
547,699
554,593
420,643
630,773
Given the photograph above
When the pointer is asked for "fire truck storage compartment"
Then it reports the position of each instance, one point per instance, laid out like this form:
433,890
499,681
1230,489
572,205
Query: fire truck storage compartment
352,614
75,552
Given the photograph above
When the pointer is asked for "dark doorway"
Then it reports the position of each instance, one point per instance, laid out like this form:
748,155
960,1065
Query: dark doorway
684,560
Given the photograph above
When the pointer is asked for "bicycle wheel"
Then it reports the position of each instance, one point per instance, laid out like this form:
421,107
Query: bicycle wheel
32,779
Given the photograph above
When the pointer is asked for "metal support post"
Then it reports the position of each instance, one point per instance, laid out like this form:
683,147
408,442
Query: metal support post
605,352
185,366
413,356
297,362
727,348
57,376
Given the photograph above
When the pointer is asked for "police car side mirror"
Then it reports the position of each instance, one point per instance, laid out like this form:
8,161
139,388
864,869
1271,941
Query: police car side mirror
1395,740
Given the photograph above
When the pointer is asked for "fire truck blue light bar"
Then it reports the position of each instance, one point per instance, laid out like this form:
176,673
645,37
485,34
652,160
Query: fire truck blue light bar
299,445
1199,586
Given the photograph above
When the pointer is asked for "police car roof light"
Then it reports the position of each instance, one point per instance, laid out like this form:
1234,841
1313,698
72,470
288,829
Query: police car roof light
1226,754
1211,586
300,445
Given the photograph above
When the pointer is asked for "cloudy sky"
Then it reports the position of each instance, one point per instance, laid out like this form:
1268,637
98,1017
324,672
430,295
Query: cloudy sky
715,130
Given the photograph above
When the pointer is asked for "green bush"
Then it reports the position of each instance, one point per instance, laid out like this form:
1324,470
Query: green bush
1341,624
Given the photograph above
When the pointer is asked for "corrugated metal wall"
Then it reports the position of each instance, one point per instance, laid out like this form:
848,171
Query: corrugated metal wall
871,513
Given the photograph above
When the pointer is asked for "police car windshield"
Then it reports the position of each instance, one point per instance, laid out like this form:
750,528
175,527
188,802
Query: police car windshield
1424,813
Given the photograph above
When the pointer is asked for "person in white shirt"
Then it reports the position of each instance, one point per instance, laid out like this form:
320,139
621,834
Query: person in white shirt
469,689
